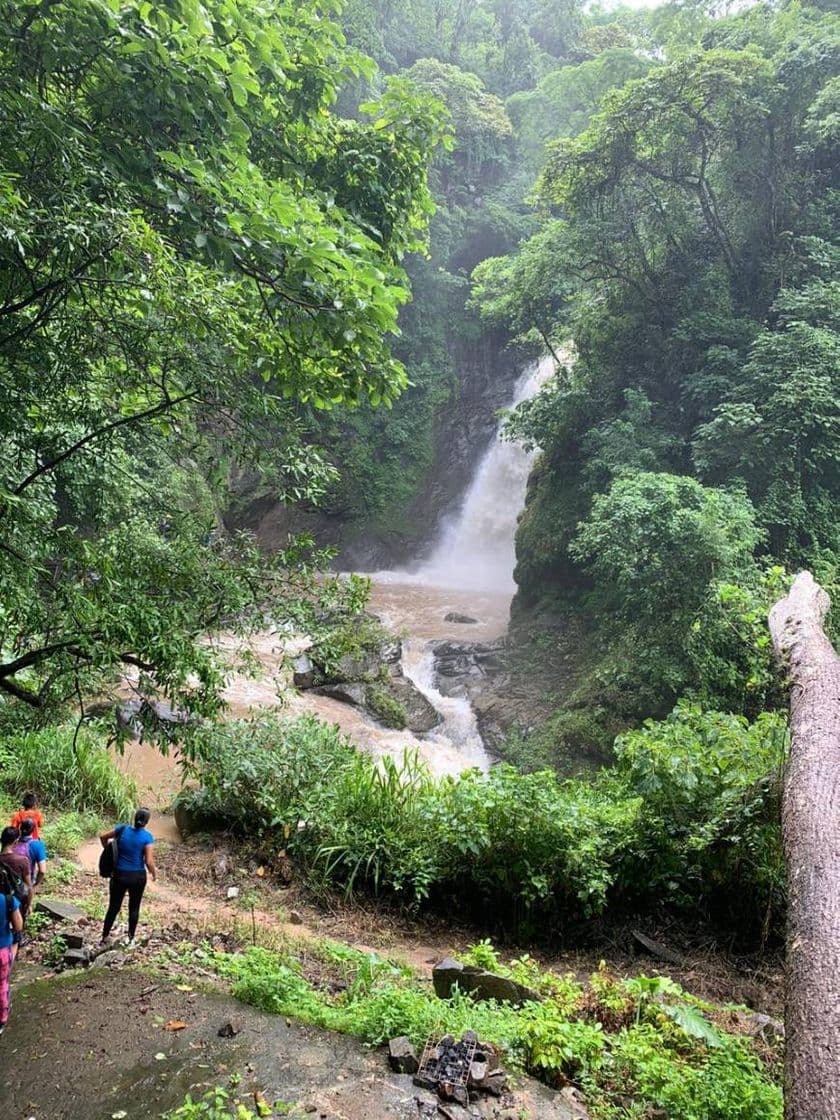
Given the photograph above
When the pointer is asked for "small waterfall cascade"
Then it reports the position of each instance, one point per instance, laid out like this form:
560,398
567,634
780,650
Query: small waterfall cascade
476,549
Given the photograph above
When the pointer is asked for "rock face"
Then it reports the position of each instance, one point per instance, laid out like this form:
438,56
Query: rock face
481,983
347,692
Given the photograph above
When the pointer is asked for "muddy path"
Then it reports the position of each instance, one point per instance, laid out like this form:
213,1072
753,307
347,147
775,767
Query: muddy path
95,1046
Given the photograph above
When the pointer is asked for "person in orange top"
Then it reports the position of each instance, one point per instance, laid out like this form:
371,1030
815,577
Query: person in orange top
30,809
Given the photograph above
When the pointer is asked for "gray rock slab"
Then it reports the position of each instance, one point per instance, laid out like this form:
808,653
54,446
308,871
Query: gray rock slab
58,910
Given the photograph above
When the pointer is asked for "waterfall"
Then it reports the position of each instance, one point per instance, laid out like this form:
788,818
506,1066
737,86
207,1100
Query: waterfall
475,550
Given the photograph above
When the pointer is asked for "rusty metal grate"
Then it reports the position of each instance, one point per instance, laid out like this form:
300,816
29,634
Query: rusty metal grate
444,1059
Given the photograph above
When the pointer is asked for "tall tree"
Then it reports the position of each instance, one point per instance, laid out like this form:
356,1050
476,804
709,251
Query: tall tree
190,242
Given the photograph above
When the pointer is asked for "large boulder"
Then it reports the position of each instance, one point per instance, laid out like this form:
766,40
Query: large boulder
480,983
420,714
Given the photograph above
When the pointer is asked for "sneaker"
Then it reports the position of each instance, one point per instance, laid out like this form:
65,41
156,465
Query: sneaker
2,1028
130,943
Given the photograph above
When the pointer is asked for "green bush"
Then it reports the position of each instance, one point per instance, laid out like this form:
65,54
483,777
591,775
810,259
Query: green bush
688,812
256,775
83,779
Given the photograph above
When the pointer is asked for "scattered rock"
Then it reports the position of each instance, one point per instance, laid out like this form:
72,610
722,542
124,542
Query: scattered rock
478,1070
76,958
73,939
295,917
402,1055
456,616
233,892
230,1029
479,982
58,910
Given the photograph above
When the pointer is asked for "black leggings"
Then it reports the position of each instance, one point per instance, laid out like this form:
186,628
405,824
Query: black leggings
133,883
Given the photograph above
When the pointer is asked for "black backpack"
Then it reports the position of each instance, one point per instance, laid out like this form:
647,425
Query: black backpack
7,891
108,859
12,884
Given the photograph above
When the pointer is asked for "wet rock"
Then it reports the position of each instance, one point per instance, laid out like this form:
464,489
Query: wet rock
58,910
456,616
464,667
420,714
402,1055
347,693
480,983
230,1029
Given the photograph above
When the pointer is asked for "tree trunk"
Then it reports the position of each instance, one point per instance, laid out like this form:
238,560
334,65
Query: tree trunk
811,831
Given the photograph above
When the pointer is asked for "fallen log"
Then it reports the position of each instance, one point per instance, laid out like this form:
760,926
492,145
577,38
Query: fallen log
811,835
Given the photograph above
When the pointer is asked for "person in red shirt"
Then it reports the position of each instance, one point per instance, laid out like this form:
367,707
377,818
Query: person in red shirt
30,809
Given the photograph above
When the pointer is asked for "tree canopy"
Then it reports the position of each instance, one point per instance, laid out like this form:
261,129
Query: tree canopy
191,241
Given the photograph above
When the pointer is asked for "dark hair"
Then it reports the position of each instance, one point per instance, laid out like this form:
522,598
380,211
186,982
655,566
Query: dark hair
8,836
141,818
29,801
27,827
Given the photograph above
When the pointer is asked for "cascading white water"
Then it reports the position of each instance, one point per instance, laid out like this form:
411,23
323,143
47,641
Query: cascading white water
476,547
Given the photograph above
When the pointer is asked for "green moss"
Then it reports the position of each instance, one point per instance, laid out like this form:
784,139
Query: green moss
385,707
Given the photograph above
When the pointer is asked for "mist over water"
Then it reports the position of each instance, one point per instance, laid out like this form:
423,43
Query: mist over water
476,549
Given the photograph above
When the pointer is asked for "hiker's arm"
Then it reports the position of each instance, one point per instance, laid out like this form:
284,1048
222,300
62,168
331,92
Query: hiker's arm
17,921
27,876
106,836
41,866
149,857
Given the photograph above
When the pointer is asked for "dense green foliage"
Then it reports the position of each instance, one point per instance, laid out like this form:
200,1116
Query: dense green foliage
687,248
193,245
688,813
631,1045
67,771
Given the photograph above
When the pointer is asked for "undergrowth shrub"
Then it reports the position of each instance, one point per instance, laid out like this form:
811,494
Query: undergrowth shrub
84,779
689,813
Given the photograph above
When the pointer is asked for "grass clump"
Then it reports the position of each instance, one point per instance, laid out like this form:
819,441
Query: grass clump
82,778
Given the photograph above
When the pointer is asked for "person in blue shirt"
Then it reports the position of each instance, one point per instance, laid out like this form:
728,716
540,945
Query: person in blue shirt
134,858
11,923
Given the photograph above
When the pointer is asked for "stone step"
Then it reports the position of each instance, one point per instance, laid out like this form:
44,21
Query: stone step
59,910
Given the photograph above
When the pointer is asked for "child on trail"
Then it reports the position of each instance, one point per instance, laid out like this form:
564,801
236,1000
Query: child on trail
11,924
134,857
30,809
34,850
19,866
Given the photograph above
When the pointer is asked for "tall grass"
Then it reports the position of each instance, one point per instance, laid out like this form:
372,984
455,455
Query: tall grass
85,781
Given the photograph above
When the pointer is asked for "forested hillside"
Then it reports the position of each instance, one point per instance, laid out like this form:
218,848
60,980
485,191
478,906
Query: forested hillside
269,274
687,248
